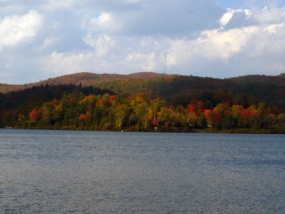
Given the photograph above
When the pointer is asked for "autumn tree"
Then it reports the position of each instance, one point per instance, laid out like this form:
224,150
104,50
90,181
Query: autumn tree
281,122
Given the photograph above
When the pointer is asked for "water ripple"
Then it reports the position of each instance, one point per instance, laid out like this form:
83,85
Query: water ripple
108,172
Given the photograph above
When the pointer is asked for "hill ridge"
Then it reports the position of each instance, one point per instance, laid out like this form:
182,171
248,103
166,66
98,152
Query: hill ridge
83,78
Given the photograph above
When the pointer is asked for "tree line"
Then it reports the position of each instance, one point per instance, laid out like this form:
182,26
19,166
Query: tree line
78,111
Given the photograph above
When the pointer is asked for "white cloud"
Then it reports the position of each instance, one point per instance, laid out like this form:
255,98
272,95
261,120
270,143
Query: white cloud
269,41
104,22
226,17
60,63
260,42
16,29
269,16
142,62
103,19
102,44
212,45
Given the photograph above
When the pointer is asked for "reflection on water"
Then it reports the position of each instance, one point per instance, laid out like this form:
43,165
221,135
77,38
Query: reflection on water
114,172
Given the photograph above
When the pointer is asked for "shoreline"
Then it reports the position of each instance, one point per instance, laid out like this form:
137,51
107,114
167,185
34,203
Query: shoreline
201,131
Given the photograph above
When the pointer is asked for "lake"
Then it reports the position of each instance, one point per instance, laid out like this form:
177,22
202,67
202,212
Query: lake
121,172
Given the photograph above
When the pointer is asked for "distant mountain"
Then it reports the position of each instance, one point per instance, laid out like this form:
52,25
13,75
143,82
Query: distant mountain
180,89
89,79
84,79
249,79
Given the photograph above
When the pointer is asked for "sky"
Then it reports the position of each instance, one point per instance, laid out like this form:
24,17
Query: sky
213,38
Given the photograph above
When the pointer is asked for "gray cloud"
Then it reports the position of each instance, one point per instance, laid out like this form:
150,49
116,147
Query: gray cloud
171,18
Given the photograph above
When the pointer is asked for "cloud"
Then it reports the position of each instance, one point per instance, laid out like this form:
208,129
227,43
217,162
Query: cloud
226,17
42,39
241,17
16,29
155,18
269,15
102,44
59,63
64,63
103,23
237,35
255,45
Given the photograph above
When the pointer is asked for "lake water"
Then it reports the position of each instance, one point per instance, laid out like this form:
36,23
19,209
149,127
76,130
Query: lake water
120,172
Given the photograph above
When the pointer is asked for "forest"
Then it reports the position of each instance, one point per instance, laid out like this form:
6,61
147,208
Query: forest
150,102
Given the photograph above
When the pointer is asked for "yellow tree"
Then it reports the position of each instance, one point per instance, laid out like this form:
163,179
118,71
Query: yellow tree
237,115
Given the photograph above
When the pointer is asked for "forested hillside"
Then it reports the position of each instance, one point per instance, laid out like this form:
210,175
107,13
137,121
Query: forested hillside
181,90
83,79
148,102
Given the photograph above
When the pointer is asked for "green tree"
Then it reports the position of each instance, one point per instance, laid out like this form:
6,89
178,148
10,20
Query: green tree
281,122
201,121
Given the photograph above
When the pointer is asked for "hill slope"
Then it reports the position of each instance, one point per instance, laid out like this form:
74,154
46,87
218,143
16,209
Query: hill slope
84,79
179,89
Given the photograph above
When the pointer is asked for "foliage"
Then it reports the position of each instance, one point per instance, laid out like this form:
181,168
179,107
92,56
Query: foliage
150,102
138,113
